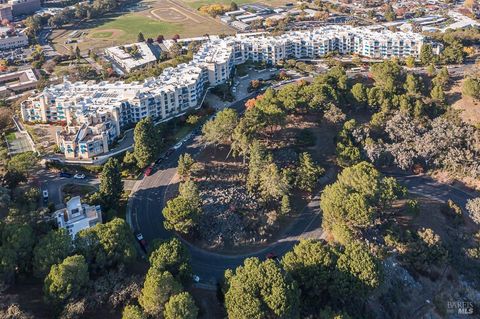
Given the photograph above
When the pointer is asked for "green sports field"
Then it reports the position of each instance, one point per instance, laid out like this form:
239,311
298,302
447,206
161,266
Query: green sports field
126,28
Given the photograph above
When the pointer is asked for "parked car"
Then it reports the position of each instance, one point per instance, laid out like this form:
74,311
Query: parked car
45,196
196,278
271,256
142,241
79,176
65,174
149,170
177,146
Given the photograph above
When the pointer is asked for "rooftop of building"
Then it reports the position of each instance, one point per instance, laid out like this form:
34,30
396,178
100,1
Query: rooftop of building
136,54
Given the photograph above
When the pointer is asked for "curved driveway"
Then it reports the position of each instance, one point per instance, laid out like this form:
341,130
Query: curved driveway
148,200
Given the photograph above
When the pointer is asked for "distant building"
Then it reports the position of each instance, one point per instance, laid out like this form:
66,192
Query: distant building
17,82
24,7
134,56
95,113
77,216
6,12
14,8
10,39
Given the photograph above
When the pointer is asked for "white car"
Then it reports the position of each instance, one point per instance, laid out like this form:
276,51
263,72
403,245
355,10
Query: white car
79,176
177,146
196,278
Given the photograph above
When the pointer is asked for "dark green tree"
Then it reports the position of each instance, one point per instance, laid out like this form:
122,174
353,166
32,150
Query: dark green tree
258,160
180,215
308,172
189,190
220,129
172,256
159,286
359,94
186,165
259,290
426,55
146,142
354,199
471,87
106,245
20,239
412,84
133,312
66,280
181,306
50,250
312,265
359,272
140,37
111,184
8,261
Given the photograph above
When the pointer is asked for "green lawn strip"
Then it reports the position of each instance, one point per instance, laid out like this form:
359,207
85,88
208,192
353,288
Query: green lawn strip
132,24
11,137
101,34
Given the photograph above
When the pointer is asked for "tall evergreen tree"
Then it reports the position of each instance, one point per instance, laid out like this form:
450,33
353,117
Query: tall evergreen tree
159,286
66,280
111,184
146,142
51,249
261,290
307,173
181,306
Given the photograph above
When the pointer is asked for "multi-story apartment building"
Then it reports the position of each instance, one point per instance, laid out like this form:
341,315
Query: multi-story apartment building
95,113
77,216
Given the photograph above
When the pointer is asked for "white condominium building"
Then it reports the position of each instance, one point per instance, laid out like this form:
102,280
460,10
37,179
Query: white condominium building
96,113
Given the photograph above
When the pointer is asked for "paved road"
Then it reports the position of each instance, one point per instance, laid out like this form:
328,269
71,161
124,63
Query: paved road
48,180
148,201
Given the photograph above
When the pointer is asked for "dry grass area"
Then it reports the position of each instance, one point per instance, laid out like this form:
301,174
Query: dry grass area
470,108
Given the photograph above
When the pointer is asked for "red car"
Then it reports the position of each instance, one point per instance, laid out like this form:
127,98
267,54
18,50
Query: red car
148,171
271,256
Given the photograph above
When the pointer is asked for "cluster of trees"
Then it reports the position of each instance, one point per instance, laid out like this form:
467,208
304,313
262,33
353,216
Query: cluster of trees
452,53
216,9
471,87
315,279
395,90
162,295
183,212
444,142
111,189
64,264
355,200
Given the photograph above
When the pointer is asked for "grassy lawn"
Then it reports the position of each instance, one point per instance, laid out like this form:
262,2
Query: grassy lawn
11,137
126,28
72,190
100,34
198,3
